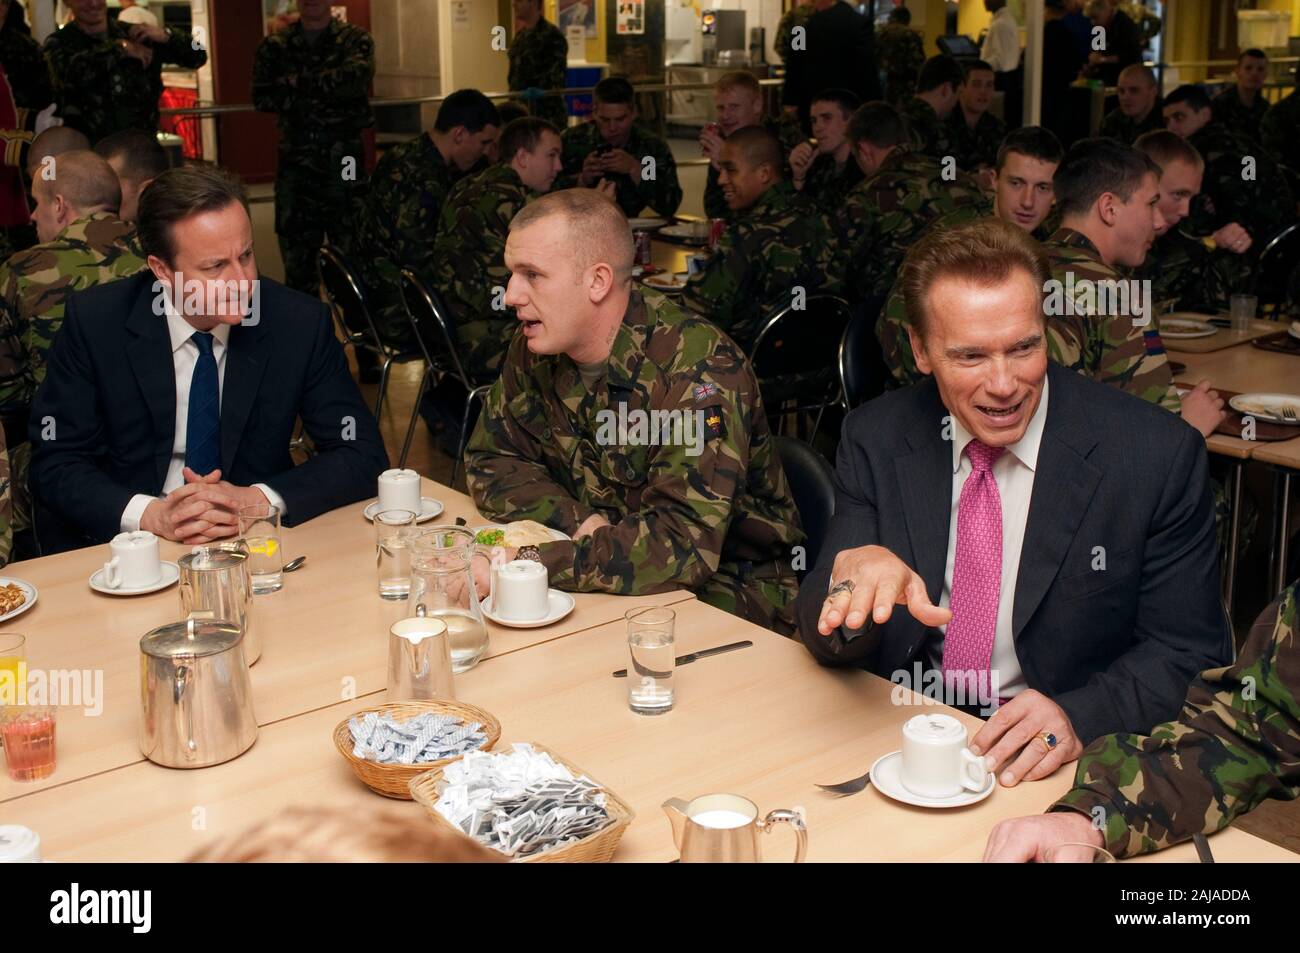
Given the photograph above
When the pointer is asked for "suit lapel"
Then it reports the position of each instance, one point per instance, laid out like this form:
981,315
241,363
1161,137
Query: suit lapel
925,484
150,355
1064,484
245,362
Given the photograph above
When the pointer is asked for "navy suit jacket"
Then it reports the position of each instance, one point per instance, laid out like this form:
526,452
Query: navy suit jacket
1116,649
108,407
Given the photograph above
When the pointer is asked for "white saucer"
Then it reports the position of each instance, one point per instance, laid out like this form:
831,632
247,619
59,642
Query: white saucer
886,776
170,573
561,604
429,508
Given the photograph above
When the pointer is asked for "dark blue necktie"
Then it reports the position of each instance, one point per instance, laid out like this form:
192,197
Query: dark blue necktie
203,426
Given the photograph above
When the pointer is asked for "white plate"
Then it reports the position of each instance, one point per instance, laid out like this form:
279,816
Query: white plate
26,587
669,284
1294,329
646,224
1181,328
887,777
1249,404
170,573
556,534
682,233
429,509
561,604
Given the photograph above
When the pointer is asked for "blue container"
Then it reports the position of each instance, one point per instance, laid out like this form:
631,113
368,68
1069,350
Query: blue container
580,104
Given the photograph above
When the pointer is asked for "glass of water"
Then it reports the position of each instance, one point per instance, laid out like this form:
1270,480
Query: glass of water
259,525
1243,309
650,676
392,555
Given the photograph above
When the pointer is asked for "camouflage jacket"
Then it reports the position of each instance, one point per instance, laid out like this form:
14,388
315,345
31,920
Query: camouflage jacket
538,60
399,222
715,203
1186,275
1091,331
1233,113
885,214
795,16
25,67
891,326
35,285
975,147
1262,205
1279,131
930,134
900,52
709,510
780,244
319,91
6,505
100,89
662,194
827,185
1235,745
1118,126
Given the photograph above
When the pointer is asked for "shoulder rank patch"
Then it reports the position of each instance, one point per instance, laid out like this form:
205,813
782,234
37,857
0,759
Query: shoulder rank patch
705,391
714,426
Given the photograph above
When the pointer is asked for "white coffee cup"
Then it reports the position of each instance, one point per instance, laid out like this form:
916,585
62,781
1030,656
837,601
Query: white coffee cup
135,561
936,761
19,845
399,490
520,590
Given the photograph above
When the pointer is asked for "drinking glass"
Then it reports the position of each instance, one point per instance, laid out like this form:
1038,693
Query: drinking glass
1243,311
28,732
392,554
259,525
650,676
12,652
442,585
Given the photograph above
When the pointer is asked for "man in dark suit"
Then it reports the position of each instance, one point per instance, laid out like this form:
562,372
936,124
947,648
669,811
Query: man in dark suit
838,53
171,396
1052,538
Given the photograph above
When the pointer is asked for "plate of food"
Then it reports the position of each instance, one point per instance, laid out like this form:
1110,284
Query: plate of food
1294,330
516,534
646,224
1270,407
668,283
1181,326
16,597
685,232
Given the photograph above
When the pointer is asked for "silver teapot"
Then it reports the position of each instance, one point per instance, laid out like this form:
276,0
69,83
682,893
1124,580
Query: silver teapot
215,584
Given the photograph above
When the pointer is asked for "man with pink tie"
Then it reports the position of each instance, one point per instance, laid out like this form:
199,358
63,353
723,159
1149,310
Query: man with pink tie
1051,538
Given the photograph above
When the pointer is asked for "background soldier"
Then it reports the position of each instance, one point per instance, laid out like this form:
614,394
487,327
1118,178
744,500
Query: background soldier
1279,130
938,88
1139,107
1242,105
823,168
21,59
974,132
738,102
315,75
901,52
539,55
108,76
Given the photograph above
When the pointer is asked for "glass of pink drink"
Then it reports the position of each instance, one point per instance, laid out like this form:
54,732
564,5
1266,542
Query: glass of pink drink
28,732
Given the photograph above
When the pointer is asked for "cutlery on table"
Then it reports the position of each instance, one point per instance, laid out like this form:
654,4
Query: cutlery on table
847,787
1203,848
692,656
294,564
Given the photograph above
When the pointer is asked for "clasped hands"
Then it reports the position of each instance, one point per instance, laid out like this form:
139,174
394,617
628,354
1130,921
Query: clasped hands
205,509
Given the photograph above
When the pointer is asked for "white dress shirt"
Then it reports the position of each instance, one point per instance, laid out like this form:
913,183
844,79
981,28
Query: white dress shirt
1001,48
1013,472
185,355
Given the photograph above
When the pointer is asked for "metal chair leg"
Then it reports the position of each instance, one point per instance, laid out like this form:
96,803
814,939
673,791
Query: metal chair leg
1277,547
415,415
1234,534
383,386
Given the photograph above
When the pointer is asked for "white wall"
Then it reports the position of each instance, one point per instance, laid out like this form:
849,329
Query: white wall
465,53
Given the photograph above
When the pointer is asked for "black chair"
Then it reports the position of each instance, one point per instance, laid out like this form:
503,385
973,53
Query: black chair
1276,281
794,357
813,487
436,337
347,299
863,374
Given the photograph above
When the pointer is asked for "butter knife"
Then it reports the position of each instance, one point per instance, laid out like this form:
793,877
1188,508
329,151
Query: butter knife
702,653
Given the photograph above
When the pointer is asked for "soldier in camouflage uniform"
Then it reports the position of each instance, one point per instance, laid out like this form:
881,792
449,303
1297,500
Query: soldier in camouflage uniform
901,53
1235,745
1262,205
738,100
315,75
973,131
1139,109
1241,106
649,507
935,100
613,147
902,193
779,245
466,266
6,505
1279,130
83,245
108,76
399,221
539,55
826,172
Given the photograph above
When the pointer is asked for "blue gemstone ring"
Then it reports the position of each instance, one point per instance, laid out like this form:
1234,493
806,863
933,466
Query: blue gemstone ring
1048,739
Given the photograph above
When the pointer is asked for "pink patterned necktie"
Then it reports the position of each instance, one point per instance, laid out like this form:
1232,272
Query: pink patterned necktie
976,571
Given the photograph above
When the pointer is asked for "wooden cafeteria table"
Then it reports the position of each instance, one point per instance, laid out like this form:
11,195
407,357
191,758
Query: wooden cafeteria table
765,722
324,635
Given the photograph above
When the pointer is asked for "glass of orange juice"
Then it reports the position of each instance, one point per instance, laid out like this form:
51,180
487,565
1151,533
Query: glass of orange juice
12,652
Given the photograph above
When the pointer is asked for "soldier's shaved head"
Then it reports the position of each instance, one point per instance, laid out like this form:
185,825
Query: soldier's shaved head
596,228
755,146
1137,73
54,141
83,183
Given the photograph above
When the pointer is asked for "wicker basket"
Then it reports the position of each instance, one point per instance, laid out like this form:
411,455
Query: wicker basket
393,780
597,848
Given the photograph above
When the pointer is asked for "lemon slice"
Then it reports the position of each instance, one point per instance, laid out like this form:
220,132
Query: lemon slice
264,547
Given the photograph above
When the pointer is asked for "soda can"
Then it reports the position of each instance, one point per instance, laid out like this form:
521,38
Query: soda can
642,256
716,227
